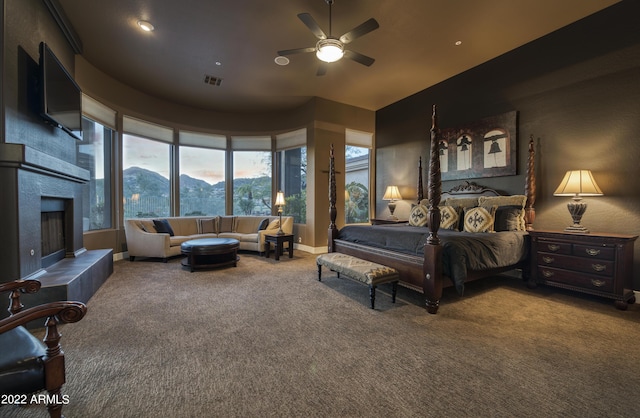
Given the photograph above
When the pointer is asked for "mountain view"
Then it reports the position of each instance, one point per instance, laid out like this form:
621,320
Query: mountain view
146,194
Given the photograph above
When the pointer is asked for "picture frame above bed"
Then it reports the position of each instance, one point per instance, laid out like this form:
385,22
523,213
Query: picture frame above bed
484,148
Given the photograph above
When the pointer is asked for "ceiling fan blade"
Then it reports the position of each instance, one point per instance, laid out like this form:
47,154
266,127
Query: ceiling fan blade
310,22
322,69
363,29
296,51
359,58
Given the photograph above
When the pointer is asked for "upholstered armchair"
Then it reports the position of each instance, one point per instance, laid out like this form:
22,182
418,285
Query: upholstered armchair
28,365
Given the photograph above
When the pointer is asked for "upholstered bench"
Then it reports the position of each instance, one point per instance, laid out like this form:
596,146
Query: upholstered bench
364,271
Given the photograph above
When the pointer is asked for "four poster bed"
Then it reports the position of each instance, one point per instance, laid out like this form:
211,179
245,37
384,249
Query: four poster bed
430,257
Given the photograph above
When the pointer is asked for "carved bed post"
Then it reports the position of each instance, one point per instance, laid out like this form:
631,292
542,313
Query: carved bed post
530,188
333,230
420,188
432,267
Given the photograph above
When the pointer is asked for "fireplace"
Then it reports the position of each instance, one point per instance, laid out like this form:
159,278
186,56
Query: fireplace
41,200
53,229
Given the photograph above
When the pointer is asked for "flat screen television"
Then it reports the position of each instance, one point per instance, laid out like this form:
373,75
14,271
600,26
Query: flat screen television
61,97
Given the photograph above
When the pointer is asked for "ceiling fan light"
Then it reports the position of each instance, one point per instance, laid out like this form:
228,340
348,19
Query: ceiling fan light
329,50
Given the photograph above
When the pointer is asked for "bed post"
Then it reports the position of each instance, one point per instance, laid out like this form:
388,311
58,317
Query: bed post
530,188
333,230
420,188
432,266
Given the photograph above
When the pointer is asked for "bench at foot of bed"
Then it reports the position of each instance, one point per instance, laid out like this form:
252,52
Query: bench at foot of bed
366,272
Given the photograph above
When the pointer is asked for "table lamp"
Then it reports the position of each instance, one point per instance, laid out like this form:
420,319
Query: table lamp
280,202
577,183
392,194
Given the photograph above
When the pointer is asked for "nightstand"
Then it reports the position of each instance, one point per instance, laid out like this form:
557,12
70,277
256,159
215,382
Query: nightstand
596,263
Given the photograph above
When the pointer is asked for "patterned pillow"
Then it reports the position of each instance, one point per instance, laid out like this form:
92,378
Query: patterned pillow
450,217
479,219
418,216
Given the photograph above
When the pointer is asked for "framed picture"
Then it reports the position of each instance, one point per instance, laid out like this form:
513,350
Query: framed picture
485,148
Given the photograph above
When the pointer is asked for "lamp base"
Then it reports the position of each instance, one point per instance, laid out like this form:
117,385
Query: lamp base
576,229
577,208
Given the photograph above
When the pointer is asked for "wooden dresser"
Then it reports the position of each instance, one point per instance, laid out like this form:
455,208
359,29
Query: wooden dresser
595,263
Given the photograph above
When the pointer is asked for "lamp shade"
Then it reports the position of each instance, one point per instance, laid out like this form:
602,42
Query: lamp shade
578,183
280,199
392,193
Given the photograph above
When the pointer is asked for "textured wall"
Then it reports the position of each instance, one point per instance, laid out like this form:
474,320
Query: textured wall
577,91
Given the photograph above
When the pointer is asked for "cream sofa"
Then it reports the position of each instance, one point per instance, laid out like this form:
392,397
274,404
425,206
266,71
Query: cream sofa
143,240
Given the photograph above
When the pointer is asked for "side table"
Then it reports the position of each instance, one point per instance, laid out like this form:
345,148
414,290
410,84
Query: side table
278,241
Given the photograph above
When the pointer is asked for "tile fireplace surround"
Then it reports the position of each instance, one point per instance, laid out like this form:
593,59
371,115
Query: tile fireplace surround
30,177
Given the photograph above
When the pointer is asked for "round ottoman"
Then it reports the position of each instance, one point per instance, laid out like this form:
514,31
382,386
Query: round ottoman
210,252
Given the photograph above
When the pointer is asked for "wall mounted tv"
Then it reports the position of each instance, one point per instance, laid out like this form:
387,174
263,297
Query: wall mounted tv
61,97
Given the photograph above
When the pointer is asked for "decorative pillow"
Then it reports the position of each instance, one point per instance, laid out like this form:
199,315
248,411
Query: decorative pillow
513,200
508,218
274,224
263,224
147,226
227,224
463,202
162,226
450,217
208,226
418,216
479,219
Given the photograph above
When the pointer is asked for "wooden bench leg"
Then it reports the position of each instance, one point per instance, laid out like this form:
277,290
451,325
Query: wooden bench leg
394,290
372,295
319,272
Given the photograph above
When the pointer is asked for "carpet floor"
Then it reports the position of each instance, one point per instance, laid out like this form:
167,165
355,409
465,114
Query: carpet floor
266,338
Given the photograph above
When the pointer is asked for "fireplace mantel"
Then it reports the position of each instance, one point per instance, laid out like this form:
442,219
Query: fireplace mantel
27,158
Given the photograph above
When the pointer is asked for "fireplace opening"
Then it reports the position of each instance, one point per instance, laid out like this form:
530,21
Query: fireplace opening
53,231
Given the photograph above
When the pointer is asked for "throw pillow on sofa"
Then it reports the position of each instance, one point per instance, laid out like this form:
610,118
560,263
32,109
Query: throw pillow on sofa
274,224
208,226
263,224
162,226
227,224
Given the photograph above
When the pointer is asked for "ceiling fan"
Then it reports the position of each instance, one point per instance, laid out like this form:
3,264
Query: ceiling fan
329,48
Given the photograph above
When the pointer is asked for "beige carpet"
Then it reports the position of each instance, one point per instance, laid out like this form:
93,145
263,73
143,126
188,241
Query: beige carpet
267,339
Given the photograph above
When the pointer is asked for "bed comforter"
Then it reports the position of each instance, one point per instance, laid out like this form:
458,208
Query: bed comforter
462,251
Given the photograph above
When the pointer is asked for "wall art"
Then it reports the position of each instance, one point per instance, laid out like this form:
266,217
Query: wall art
484,148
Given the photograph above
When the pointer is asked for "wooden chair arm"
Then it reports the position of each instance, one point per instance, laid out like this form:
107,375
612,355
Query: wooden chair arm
63,311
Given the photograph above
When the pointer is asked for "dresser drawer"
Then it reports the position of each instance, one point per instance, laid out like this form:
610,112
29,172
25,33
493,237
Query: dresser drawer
555,247
594,266
585,281
594,251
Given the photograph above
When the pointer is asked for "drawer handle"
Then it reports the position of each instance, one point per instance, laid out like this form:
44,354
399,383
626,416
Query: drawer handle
553,247
547,273
548,259
599,267
597,283
592,251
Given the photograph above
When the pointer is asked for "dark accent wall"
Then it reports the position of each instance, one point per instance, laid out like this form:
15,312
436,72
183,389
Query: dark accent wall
37,160
577,91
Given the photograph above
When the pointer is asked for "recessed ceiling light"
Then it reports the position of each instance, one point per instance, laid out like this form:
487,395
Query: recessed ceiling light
145,26
458,43
280,60
218,63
